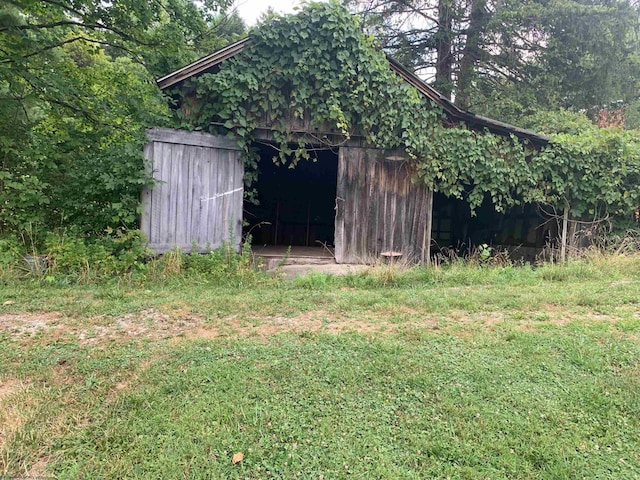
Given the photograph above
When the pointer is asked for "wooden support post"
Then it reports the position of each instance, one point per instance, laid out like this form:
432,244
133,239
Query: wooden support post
565,226
426,248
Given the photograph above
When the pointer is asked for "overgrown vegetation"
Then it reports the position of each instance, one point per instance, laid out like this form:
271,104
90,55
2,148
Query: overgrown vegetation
120,255
77,91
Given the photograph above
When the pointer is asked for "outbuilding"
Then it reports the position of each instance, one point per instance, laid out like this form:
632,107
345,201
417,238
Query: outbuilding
353,202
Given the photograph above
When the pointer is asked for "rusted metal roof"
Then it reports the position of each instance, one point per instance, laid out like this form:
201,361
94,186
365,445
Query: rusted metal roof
455,113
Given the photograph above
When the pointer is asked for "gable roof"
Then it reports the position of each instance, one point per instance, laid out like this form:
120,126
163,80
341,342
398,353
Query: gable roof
453,112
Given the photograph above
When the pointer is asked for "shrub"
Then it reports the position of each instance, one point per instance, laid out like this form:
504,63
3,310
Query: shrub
115,253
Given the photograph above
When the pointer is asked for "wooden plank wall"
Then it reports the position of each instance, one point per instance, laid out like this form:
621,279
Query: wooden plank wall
199,192
379,209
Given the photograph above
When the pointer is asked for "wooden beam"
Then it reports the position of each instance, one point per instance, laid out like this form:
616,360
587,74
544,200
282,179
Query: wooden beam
426,249
565,225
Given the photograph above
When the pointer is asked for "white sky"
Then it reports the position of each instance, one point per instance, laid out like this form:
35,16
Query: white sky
250,10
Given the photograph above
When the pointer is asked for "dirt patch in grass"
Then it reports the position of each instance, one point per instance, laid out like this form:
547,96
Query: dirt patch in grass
9,387
147,324
177,321
29,324
313,321
38,469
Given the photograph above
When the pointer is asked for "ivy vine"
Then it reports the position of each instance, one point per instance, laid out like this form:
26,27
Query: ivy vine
318,69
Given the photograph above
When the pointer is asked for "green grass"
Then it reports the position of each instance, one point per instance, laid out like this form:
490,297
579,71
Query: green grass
459,372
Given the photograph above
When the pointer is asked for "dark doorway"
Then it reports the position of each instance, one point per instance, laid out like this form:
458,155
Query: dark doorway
296,205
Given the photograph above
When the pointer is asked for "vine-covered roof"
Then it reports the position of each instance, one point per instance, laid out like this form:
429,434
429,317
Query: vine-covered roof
455,114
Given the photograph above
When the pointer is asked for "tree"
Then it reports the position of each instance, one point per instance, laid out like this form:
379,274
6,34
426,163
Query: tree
507,57
77,90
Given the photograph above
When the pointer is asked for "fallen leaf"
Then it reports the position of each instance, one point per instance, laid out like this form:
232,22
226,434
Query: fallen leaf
8,302
237,458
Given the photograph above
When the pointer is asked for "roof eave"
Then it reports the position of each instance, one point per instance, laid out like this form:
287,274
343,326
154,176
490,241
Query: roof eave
202,64
453,110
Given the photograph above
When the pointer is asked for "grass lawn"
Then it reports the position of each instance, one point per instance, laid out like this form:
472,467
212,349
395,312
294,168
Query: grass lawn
459,372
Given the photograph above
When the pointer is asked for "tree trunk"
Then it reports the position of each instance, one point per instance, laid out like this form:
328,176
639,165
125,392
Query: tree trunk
471,52
444,61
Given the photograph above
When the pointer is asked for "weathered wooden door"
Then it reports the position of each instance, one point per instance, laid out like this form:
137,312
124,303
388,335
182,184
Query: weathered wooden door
197,199
379,209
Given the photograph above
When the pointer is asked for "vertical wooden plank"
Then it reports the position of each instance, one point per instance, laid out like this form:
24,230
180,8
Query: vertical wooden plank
203,231
145,200
222,203
232,201
182,220
165,194
196,193
240,201
238,197
213,218
156,200
376,237
340,201
170,231
402,240
187,211
373,232
352,215
387,221
418,218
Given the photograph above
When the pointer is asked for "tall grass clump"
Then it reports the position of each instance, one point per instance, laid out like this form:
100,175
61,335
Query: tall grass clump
220,266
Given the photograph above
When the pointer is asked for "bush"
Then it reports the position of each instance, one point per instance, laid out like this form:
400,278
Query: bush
115,253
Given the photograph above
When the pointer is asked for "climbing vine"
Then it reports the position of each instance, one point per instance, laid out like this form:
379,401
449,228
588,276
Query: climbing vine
318,72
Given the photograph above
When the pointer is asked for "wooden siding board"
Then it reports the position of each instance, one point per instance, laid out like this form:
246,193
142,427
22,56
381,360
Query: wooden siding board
198,139
171,232
372,206
145,217
196,193
182,221
188,185
221,214
426,248
156,200
203,236
341,194
238,175
211,205
164,192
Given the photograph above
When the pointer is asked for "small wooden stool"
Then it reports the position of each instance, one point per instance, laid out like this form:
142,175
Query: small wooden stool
391,256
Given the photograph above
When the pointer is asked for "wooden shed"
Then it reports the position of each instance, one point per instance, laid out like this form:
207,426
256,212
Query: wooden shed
357,201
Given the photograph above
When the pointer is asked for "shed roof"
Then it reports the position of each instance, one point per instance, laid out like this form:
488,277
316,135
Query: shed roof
455,113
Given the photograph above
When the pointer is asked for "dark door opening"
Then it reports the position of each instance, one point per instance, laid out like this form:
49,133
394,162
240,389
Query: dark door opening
296,205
